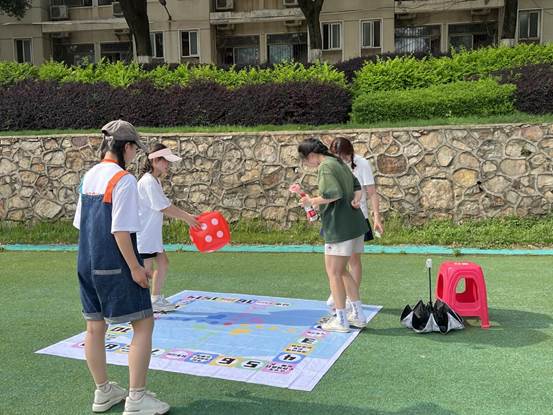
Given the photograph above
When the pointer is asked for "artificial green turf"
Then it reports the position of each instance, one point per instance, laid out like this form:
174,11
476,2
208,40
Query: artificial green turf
387,370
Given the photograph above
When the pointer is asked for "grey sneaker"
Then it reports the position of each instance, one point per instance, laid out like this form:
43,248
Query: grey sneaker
162,305
333,324
104,401
147,405
358,321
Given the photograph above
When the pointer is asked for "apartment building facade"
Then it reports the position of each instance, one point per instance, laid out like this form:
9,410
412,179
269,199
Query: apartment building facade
262,31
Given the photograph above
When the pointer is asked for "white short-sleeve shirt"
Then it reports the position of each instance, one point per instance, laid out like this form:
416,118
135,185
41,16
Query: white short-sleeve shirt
151,201
364,174
124,214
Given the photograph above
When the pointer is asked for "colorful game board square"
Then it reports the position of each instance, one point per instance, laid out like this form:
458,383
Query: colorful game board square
252,364
299,348
226,361
177,354
202,358
307,340
118,330
125,349
290,358
279,368
158,352
111,347
314,333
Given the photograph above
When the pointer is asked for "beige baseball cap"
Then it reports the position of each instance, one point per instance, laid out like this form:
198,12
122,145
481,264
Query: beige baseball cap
120,130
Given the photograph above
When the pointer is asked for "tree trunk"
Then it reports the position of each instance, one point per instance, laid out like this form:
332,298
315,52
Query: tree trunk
508,34
136,15
311,9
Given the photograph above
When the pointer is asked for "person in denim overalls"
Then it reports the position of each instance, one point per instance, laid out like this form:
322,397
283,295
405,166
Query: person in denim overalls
113,282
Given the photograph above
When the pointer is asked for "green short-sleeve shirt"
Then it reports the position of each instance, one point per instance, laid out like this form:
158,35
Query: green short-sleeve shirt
341,222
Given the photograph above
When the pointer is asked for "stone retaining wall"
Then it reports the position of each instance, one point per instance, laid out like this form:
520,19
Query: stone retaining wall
446,172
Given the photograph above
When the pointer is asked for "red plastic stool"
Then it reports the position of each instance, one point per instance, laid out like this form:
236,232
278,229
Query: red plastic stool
473,302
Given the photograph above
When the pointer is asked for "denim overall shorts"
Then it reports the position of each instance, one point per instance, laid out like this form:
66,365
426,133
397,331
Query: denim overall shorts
107,289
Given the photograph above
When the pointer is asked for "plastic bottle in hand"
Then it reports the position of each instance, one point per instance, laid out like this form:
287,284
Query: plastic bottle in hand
310,211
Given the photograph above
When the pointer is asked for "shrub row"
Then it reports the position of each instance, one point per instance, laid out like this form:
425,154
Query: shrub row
410,72
120,74
464,98
34,105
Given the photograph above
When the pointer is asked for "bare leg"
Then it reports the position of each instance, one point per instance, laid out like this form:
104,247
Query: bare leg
95,350
140,352
159,275
335,268
355,268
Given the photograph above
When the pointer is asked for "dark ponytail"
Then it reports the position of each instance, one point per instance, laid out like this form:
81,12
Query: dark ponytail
148,168
343,147
314,145
116,147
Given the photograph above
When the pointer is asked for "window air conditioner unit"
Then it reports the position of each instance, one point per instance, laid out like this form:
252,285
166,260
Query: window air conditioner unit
225,27
224,4
117,10
480,12
293,23
58,12
290,3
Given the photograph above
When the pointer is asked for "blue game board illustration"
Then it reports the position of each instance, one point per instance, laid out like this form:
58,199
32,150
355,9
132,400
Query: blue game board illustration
257,339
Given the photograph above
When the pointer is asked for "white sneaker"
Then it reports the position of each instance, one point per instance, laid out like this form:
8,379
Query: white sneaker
330,302
333,324
105,400
162,305
359,321
147,405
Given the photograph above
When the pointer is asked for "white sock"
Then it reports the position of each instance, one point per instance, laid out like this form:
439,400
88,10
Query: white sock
358,309
136,393
155,298
104,387
342,316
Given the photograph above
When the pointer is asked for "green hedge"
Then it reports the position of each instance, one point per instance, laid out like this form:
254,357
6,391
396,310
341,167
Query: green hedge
123,75
464,98
410,73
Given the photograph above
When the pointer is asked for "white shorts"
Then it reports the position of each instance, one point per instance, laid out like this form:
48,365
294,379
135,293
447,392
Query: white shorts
346,248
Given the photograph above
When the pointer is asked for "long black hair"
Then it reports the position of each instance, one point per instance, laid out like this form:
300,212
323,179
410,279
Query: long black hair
148,168
314,145
343,147
116,147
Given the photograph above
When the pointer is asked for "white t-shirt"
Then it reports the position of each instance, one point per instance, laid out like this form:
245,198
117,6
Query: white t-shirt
364,174
151,201
124,213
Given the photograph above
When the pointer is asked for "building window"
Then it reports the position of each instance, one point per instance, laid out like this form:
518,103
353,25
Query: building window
529,25
76,3
156,39
189,41
113,52
370,34
331,36
472,35
287,47
238,50
418,39
73,54
23,50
